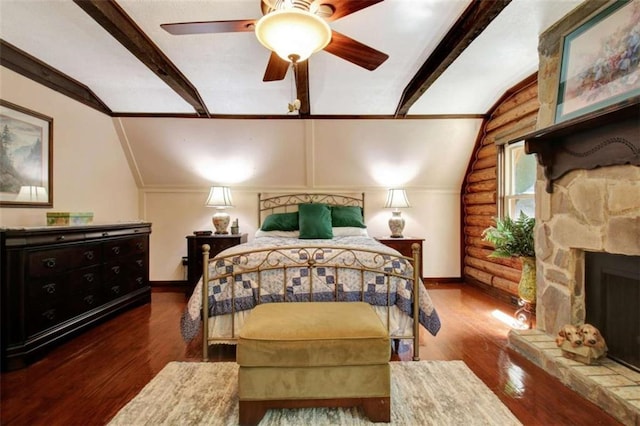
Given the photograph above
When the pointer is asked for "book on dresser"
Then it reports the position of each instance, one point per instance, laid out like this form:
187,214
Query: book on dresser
57,281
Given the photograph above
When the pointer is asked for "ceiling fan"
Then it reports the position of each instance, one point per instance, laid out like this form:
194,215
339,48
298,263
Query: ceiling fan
320,10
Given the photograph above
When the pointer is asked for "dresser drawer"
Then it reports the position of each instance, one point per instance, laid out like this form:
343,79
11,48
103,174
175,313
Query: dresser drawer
50,288
50,262
113,290
87,255
45,314
86,301
115,249
84,280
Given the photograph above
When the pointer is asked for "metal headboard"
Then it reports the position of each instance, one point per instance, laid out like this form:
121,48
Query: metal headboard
289,202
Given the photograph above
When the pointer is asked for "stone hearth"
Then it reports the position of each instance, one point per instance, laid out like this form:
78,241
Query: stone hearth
611,386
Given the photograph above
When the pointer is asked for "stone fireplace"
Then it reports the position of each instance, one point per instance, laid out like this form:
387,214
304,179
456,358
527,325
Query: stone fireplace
590,210
582,206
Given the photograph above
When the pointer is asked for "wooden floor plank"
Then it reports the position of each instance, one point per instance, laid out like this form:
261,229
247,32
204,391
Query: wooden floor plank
88,379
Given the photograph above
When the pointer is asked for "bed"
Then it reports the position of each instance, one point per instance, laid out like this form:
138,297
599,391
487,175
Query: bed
309,247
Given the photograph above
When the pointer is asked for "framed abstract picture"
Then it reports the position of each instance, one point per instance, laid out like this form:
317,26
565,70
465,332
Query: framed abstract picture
600,61
26,150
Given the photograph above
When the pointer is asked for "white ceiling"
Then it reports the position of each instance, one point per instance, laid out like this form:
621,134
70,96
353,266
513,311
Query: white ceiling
227,69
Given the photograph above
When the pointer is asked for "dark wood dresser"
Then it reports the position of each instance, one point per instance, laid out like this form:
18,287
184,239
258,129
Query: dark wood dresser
58,281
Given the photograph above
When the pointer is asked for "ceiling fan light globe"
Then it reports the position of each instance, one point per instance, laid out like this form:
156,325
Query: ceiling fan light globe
293,33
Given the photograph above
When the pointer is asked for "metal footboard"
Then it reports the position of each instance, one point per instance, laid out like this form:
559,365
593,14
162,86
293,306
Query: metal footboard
310,258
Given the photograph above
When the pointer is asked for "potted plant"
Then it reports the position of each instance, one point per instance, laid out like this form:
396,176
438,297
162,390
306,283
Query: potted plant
514,238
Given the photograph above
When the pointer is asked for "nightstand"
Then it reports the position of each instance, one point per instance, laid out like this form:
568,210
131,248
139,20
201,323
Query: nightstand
403,245
194,252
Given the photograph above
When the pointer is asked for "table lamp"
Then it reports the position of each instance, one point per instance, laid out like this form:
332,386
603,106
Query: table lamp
220,199
396,199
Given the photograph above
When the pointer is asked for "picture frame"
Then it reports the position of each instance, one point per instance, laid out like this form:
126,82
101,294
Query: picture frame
26,157
599,63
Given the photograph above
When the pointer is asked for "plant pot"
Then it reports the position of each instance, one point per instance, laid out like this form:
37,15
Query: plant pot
527,284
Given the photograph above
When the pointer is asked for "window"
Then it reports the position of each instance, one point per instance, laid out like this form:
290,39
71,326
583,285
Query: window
518,181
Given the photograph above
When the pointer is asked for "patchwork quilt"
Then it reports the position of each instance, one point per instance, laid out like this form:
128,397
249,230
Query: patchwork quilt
285,276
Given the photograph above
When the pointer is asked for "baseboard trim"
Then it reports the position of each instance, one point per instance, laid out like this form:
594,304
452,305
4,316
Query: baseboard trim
169,286
442,280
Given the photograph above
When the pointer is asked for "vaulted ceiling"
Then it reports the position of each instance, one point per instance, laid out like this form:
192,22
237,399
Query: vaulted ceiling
446,57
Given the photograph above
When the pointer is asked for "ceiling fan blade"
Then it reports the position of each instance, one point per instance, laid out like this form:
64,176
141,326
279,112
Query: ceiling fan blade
355,52
209,27
276,68
343,8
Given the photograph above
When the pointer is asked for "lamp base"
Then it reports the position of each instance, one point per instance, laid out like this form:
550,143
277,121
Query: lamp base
396,225
221,221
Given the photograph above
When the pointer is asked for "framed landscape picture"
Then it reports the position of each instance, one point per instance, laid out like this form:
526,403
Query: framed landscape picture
600,61
26,149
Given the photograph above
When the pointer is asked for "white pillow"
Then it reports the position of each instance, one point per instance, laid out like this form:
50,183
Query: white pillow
348,231
285,234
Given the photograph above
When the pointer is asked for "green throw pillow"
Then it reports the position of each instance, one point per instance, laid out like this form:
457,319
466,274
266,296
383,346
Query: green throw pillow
281,222
342,216
315,221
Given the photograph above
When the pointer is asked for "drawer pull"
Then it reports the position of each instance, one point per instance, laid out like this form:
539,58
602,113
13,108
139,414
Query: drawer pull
139,262
139,246
115,250
89,277
49,262
115,289
105,234
60,238
139,280
115,269
89,300
89,255
49,314
49,288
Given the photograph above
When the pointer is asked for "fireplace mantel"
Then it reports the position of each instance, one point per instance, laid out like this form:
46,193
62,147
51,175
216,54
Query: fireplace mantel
603,138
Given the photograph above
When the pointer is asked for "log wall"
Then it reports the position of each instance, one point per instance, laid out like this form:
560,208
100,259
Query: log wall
515,114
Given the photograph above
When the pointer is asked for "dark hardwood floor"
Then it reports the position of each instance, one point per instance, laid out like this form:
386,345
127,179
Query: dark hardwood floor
88,379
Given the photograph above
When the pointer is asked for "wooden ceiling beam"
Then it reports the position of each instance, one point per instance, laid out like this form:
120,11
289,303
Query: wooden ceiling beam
473,21
116,22
26,65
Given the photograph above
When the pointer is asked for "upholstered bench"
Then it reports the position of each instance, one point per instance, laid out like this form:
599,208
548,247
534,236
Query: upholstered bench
313,354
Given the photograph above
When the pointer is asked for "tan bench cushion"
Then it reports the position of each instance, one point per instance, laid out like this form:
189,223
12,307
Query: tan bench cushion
313,334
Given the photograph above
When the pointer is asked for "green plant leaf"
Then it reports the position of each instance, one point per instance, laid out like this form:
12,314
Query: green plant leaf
511,238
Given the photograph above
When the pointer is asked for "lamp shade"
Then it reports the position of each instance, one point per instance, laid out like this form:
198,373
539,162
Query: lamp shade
32,193
219,197
397,199
294,34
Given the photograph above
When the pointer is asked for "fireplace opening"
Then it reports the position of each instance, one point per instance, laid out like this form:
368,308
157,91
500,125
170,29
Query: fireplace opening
612,301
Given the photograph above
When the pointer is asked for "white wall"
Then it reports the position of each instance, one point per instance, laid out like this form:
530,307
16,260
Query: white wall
178,159
90,170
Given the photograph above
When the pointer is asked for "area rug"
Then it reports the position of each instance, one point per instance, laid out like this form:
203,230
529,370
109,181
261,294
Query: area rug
422,393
